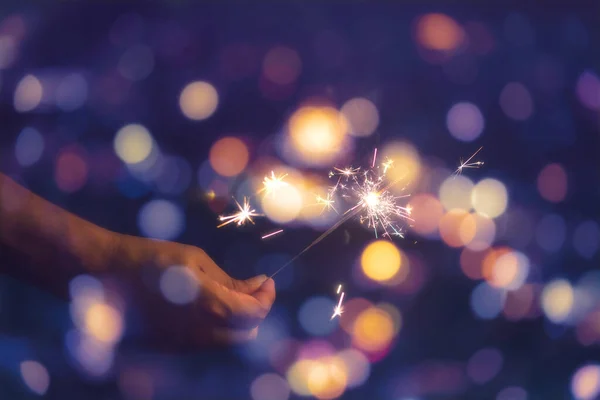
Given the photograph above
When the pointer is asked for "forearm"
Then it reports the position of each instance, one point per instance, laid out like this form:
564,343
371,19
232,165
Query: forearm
58,243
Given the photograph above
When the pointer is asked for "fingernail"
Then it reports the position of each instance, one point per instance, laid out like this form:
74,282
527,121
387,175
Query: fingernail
259,280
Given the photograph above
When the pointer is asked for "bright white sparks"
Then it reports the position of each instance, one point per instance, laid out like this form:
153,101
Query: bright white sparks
338,309
244,214
272,183
468,163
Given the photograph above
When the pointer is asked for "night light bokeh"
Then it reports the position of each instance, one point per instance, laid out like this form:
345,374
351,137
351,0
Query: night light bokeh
151,119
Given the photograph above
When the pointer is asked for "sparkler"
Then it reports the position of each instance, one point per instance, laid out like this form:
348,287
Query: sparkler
245,213
338,309
468,163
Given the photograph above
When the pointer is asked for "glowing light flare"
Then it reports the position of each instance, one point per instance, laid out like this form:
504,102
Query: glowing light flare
585,383
489,197
381,261
401,165
272,183
558,299
338,309
198,100
283,206
469,163
229,156
373,330
245,214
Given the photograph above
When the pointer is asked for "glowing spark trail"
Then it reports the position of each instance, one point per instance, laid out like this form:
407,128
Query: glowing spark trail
244,214
272,234
326,202
272,183
468,164
338,309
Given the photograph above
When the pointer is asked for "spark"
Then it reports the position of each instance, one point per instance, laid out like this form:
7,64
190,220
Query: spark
387,165
374,158
272,183
272,234
338,309
245,213
327,202
468,163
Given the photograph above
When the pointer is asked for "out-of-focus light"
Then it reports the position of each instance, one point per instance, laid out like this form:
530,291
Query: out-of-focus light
558,298
551,232
489,197
269,386
485,232
426,210
353,307
29,147
104,323
381,260
455,192
588,90
283,207
315,316
133,143
516,102
93,356
406,165
327,378
179,285
198,100
136,63
318,134
161,219
28,94
71,170
512,393
465,122
8,51
471,262
72,92
86,286
489,261
457,228
586,238
585,383
552,183
484,365
229,156
35,376
362,116
439,32
357,365
282,65
519,303
297,376
510,271
373,330
487,301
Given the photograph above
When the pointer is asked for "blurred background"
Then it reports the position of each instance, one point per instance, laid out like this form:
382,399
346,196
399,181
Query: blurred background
151,119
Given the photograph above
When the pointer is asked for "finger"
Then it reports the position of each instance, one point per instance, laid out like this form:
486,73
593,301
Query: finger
248,286
265,294
234,336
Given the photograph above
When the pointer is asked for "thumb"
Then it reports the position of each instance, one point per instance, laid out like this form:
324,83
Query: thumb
251,285
265,293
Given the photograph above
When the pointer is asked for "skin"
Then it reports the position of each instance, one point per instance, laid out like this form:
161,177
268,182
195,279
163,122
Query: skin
56,246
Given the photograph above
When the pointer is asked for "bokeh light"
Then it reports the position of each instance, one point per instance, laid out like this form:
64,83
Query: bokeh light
282,65
28,94
551,232
586,239
229,156
72,92
381,260
198,100
283,207
71,170
455,192
588,89
484,231
179,284
487,301
489,197
552,183
585,383
362,115
405,169
315,316
439,32
161,219
557,300
269,386
426,210
318,134
516,102
457,228
104,323
357,366
465,122
29,147
519,303
35,376
327,378
373,330
133,143
510,270
484,365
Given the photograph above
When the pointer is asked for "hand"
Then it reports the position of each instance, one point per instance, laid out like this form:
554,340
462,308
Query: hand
226,311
